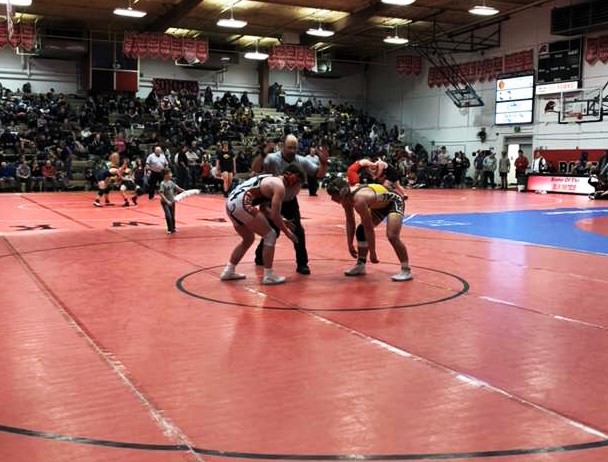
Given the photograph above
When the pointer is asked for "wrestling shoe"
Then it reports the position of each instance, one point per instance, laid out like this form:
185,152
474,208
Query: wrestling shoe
273,279
125,204
230,275
96,203
404,275
357,270
134,199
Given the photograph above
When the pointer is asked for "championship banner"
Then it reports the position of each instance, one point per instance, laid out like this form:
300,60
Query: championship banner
24,35
592,50
408,65
3,35
603,49
164,46
292,57
479,71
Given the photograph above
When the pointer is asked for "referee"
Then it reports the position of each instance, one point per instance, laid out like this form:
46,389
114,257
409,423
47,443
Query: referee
156,163
275,163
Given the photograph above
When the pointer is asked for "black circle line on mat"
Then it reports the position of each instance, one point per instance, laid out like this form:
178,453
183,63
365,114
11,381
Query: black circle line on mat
465,288
303,457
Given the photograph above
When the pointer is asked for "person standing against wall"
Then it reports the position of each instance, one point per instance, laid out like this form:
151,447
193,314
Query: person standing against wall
504,167
521,166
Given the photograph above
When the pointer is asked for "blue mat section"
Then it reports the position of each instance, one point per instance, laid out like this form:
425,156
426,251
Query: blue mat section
556,228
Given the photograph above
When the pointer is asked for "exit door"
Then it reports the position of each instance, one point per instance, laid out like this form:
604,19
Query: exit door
512,146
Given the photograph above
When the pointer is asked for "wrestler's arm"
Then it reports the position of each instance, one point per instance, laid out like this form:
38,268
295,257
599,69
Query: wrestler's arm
350,229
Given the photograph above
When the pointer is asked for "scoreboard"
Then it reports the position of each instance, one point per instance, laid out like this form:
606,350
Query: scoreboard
560,61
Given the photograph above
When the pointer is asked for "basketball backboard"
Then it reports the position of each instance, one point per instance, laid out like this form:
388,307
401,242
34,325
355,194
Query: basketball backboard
581,106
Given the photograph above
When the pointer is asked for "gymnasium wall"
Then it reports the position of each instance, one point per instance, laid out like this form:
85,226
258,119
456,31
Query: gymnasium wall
431,118
65,76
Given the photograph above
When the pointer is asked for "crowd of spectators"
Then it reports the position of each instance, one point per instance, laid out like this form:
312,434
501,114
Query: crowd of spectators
44,135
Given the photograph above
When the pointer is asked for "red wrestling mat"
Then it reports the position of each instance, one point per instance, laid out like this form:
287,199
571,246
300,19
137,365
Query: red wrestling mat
121,344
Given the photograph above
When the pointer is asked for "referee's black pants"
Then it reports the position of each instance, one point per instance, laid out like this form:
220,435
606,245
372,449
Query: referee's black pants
290,210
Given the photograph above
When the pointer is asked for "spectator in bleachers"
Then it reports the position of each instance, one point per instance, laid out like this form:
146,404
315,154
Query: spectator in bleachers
9,141
7,176
24,176
49,173
226,166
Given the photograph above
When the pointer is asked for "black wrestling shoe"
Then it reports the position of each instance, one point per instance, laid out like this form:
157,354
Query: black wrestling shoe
303,269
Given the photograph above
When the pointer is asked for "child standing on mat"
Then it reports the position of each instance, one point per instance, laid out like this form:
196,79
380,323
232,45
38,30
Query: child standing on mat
167,190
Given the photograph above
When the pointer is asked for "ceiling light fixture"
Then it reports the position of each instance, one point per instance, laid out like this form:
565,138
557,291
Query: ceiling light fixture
395,39
128,12
17,2
320,32
483,10
231,23
398,2
256,55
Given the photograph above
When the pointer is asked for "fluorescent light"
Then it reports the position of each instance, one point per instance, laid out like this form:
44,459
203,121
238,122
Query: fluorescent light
396,40
483,10
320,32
398,2
258,56
231,23
17,2
129,12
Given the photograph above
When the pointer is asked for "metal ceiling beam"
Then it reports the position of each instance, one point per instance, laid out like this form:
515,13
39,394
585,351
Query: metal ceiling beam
172,16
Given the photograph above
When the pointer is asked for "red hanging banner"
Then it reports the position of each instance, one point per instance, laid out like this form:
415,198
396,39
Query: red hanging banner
292,57
154,45
177,50
127,45
3,35
28,36
164,46
602,49
189,49
140,48
592,50
202,50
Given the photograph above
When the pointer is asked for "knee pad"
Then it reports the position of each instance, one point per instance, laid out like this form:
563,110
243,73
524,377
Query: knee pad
271,238
123,188
360,233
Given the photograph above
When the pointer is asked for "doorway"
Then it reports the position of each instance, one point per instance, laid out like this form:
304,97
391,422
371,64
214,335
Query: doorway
512,145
